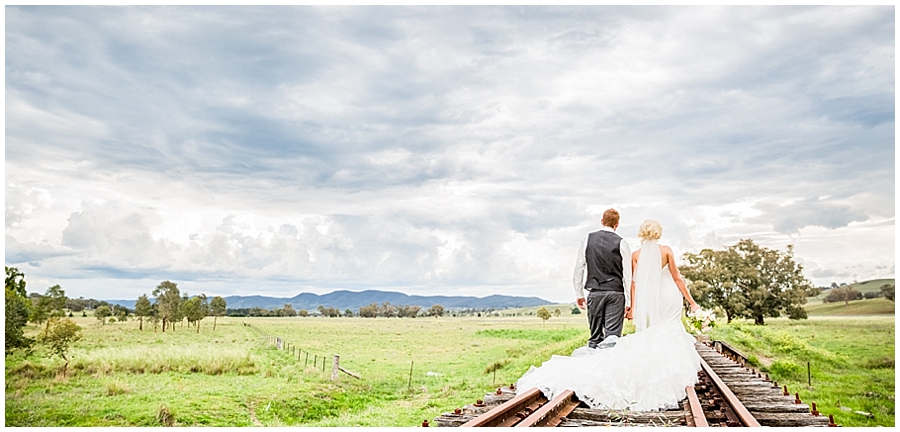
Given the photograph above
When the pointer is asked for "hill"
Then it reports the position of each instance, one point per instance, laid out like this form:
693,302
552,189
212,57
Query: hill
863,287
876,306
354,300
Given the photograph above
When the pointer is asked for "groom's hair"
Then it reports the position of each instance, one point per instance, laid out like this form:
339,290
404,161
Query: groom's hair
610,218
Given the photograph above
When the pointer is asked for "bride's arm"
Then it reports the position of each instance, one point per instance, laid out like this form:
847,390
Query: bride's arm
629,312
676,276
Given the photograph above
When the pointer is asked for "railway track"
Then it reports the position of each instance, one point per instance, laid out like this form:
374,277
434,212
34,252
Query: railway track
728,393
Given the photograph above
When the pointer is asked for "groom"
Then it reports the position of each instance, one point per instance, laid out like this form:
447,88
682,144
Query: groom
607,259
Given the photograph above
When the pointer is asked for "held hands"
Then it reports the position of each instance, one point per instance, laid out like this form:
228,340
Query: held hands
580,303
629,314
694,307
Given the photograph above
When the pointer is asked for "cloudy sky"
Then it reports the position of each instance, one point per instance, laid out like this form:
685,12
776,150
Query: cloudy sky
429,150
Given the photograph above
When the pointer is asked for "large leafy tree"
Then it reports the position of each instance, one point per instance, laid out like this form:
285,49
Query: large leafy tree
749,281
142,309
217,308
17,311
844,294
168,302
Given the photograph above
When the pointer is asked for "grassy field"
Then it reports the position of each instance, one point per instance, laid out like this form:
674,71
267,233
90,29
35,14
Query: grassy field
875,306
120,376
863,287
851,359
233,377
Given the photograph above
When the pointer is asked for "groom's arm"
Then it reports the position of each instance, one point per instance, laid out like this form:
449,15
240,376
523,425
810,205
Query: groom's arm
625,250
578,277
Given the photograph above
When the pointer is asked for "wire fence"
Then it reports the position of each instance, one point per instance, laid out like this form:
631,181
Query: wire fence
300,354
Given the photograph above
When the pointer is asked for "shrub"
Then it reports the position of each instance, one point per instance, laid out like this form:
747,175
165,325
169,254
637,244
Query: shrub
786,369
164,416
114,388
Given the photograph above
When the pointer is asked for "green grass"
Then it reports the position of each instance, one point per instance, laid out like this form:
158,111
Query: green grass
851,360
120,376
875,306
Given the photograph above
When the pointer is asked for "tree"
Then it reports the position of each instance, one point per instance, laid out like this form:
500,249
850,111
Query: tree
543,314
190,309
557,313
288,310
142,309
217,308
102,313
387,310
56,301
17,311
576,311
436,311
844,293
59,335
168,300
120,312
348,313
154,317
887,290
370,311
40,309
303,312
748,281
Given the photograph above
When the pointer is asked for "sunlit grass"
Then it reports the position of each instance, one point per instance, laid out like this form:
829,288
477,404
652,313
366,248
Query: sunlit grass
849,362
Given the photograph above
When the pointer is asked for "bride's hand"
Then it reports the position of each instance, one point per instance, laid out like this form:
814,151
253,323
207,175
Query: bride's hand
629,314
694,308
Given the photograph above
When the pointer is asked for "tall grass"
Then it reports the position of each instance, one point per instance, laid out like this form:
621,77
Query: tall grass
212,360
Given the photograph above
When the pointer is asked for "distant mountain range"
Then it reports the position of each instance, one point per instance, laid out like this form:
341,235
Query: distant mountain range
354,300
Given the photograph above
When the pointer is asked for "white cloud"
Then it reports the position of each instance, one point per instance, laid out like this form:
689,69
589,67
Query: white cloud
438,150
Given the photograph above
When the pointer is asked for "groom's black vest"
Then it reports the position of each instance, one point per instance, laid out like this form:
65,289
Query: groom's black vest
604,262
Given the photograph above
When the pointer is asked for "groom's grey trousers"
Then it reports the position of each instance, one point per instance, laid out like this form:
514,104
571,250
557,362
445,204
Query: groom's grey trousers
606,315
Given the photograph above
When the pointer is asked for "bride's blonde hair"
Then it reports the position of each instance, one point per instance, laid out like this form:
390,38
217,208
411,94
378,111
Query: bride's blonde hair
650,230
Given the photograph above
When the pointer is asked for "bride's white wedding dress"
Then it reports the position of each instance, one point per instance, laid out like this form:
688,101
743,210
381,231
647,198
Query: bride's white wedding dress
644,371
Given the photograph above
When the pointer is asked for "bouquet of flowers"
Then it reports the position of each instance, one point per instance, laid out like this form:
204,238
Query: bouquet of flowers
701,320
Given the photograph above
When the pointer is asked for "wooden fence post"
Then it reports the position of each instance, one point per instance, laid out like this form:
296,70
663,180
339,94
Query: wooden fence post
334,367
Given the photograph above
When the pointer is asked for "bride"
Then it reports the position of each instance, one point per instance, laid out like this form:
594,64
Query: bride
645,371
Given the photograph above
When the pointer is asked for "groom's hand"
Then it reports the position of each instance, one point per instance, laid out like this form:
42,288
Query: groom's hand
628,314
580,303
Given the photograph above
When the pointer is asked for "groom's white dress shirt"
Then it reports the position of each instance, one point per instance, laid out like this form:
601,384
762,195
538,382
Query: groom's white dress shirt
581,266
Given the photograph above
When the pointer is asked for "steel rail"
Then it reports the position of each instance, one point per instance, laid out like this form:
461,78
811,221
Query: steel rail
505,414
552,413
731,399
697,416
